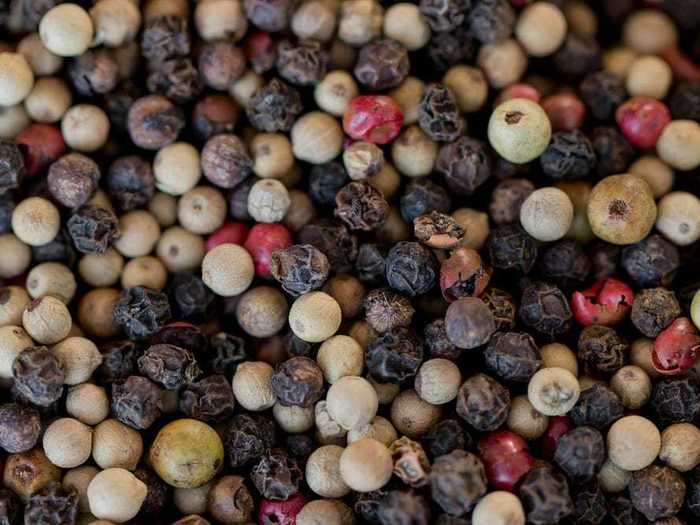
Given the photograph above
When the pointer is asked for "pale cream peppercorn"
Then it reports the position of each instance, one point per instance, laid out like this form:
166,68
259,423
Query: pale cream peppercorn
578,192
145,271
316,137
519,130
649,76
633,443
176,168
413,417
13,339
560,356
678,217
352,402
13,301
66,30
314,19
13,119
116,495
469,85
632,385
301,210
80,358
553,391
228,270
51,278
362,160
163,206
408,95
191,501
438,381
328,431
649,31
405,23
525,420
153,9
116,22
67,442
360,21
323,472
335,91
547,214
657,174
414,153
95,312
101,269
115,444
46,320
272,155
581,18
243,88
617,60
88,404
315,316
78,479
16,78
541,29
268,201
252,387
340,356
499,508
640,355
48,101
380,429
503,63
179,249
262,311
680,446
216,19
613,479
139,233
323,512
387,180
202,210
366,465
85,127
42,61
35,221
293,419
17,256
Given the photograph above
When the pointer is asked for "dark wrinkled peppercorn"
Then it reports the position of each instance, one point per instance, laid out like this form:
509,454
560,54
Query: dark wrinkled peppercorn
300,268
437,344
209,399
566,263
227,351
277,475
400,506
302,64
165,37
510,247
141,312
382,64
447,49
622,512
370,264
94,72
157,495
386,309
221,63
154,122
394,356
465,163
300,445
182,334
73,179
651,262
684,102
580,453
601,348
213,115
171,366
10,507
577,56
298,382
502,306
457,481
612,150
296,347
93,229
325,181
692,496
590,505
12,169
603,92
130,182
507,198
657,492
246,438
52,505
569,155
544,307
333,239
274,107
366,505
438,230
512,356
444,15
597,406
190,298
423,196
438,114
361,206
177,78
136,402
20,427
411,268
491,21
269,15
653,310
444,437
483,403
545,496
225,161
38,376
118,361
676,400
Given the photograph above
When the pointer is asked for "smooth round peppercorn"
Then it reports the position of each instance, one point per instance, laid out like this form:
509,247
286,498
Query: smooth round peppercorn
262,311
678,217
680,446
335,91
101,269
95,312
498,508
316,138
503,62
78,480
469,323
66,30
642,121
412,416
47,320
525,420
438,381
553,391
547,214
85,127
633,443
201,210
541,29
658,175
13,301
293,419
414,153
139,233
252,387
340,356
366,465
35,221
352,402
560,356
649,31
88,404
42,61
228,270
323,472
53,279
176,168
48,102
469,86
633,386
80,358
116,495
405,23
678,145
649,76
219,19
146,271
179,249
16,80
315,316
67,442
519,130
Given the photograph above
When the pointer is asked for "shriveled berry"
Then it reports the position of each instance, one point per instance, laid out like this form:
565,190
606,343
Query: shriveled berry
20,427
277,475
209,399
438,114
12,169
370,264
361,206
226,352
246,438
502,306
580,453
544,307
118,360
512,356
651,262
437,344
457,481
510,247
463,274
171,366
483,402
92,229
545,496
394,356
298,382
601,348
465,163
382,64
566,263
444,437
653,310
423,196
52,505
385,309
136,402
676,400
300,268
274,107
597,406
38,376
569,155
411,268
333,238
130,182
302,64
657,492
264,240
607,303
141,312
438,230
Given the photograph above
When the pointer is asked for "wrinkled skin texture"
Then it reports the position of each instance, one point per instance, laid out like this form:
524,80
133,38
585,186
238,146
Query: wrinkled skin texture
677,348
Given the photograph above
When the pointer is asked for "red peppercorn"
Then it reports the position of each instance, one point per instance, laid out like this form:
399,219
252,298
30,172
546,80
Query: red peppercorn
641,120
463,274
566,112
41,144
373,118
262,241
260,51
518,91
506,458
677,348
558,426
607,302
230,232
274,512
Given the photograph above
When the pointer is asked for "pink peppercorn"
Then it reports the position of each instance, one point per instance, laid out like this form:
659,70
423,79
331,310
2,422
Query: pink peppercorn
373,118
506,458
281,512
558,426
641,120
566,112
676,349
518,91
230,232
259,49
41,144
263,240
607,302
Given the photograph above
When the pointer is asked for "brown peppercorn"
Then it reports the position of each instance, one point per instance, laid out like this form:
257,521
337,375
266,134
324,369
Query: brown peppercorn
361,206
229,500
469,322
382,64
483,402
28,472
213,115
20,427
225,161
657,492
385,309
154,122
221,63
438,230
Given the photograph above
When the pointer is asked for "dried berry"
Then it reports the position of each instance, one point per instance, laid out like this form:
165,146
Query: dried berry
274,107
277,475
171,366
465,163
227,351
603,92
566,263
622,512
590,505
93,229
376,119
676,400
438,114
642,120
512,356
578,55
154,122
469,323
95,72
269,15
370,264
361,206
136,402
602,349
410,462
394,356
411,268
209,399
382,64
502,306
403,507
423,196
597,406
606,302
190,298
437,344
651,262
544,307
141,312
38,376
491,21
12,169
118,361
463,274
165,37
457,481
613,153
444,15
303,64
510,247
182,334
545,496
580,453
246,438
483,403
653,310
677,348
684,102
447,49
20,427
158,493
506,458
438,230
657,492
130,182
333,239
300,268
507,198
52,505
386,309
298,382
225,161
10,507
569,155
176,78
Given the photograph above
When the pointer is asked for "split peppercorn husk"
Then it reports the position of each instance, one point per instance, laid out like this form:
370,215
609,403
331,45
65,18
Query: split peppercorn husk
422,262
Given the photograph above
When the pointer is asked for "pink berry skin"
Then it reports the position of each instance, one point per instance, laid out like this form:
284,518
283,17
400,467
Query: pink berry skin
677,348
566,111
607,302
373,118
228,233
274,512
506,458
263,240
642,120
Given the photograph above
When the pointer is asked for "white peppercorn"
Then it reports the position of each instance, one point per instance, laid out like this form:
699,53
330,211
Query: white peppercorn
612,478
438,381
316,137
680,446
13,301
340,356
649,31
116,495
85,127
53,279
88,404
553,391
13,119
47,320
262,311
408,95
42,61
80,358
525,420
314,19
360,21
16,78
95,312
315,316
272,155
499,508
116,22
323,512
679,145
217,19
469,85
192,501
519,130
101,269
179,249
380,429
228,270
414,153
13,339
145,271
252,386
649,76
363,160
115,444
323,472
139,233
352,402
547,214
176,168
560,356
678,217
405,23
366,465
503,63
412,416
163,206
653,170
268,201
49,100
66,30
633,443
67,442
328,431
243,88
632,385
35,221
202,210
335,91
541,29
293,419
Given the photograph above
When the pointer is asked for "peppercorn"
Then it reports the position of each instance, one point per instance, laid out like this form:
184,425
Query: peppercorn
382,64
52,504
276,475
657,492
651,262
465,164
154,122
136,401
457,481
512,356
483,402
602,92
20,428
411,269
544,308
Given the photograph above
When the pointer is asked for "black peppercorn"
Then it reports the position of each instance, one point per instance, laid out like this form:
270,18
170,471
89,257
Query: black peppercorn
171,366
165,37
302,64
209,399
52,505
73,179
597,406
483,403
227,351
394,356
130,182
457,481
297,382
601,348
10,507
569,155
545,496
370,264
400,506
157,495
502,306
361,206
423,196
297,347
20,427
177,78
213,115
465,163
653,310
411,268
12,169
580,453
613,152
277,475
512,356
154,122
95,72
333,239
274,107
545,308
221,63
566,263
38,376
447,49
507,198
225,161
491,21
93,229
510,247
382,64
118,361
676,400
182,334
444,15
141,312
367,505
651,262
657,492
438,114
622,512
444,437
246,438
684,102
325,180
603,92
577,56
437,344
692,495
590,505
386,309
300,445
300,268
136,402
7,206
190,298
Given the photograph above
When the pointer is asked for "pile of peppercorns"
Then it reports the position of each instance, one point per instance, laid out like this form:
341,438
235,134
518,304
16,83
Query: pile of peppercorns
332,262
